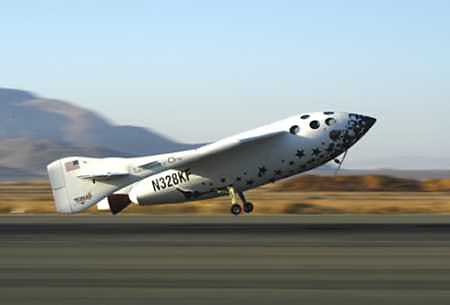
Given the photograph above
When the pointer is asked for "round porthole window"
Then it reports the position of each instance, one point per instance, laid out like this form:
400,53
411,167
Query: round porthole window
314,124
330,121
305,116
294,129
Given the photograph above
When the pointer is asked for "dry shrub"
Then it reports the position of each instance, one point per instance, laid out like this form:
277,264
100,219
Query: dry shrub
437,185
349,184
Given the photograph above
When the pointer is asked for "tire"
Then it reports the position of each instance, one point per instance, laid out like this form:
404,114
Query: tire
248,207
236,209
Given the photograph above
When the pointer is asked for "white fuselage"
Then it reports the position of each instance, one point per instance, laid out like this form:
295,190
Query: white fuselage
314,139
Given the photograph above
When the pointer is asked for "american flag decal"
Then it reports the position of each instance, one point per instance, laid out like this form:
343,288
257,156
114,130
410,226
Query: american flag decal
72,165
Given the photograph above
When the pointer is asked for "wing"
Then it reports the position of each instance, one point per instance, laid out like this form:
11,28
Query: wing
229,144
184,159
157,164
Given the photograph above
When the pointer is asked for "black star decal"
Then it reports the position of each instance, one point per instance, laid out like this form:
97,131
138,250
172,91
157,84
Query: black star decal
316,152
278,172
330,148
300,154
262,171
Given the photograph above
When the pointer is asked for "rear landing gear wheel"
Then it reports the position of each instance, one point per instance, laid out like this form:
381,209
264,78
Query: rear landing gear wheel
236,209
248,207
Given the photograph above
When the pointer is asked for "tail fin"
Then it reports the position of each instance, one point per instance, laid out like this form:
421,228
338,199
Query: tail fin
74,184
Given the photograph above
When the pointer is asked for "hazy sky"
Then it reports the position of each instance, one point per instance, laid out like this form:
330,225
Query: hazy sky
201,70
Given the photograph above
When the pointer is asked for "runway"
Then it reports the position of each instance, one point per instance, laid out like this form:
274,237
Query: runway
225,260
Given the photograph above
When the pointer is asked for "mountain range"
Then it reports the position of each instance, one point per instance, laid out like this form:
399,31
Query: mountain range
35,131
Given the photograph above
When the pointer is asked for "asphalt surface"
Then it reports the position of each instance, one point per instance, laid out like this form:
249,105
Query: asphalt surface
225,260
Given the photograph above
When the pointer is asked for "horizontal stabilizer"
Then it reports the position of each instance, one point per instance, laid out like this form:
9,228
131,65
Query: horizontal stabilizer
102,175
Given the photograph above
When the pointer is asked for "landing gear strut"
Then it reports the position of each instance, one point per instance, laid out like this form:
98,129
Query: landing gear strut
236,209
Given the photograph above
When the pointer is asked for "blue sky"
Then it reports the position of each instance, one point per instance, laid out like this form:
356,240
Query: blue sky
201,70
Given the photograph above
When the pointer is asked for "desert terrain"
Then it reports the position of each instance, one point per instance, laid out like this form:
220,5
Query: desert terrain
300,195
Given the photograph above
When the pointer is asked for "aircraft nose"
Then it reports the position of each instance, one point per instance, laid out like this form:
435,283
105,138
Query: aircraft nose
352,130
368,121
357,126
